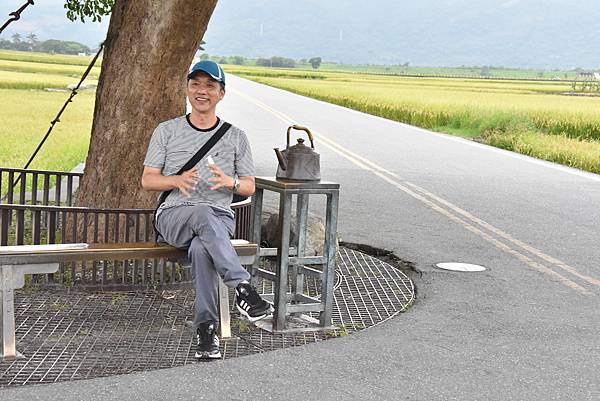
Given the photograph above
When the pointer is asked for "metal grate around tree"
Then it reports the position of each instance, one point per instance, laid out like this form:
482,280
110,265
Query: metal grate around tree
73,335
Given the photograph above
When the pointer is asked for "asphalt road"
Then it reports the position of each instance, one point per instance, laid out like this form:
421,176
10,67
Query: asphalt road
528,328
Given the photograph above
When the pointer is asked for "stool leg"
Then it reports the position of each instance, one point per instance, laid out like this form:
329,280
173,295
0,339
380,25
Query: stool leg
7,314
283,232
330,254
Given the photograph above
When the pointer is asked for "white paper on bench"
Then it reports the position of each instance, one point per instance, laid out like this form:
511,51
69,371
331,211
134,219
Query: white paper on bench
49,247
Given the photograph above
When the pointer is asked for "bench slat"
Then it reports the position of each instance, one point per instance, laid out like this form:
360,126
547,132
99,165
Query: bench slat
16,261
18,255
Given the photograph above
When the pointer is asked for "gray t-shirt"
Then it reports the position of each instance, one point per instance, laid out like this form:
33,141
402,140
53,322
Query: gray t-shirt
174,142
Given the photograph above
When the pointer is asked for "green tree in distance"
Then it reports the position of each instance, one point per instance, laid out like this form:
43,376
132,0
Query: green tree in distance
33,41
315,62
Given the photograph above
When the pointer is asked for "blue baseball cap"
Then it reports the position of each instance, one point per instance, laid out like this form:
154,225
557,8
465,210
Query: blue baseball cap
208,67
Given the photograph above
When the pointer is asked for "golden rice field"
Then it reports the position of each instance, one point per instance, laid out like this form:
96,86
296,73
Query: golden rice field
529,117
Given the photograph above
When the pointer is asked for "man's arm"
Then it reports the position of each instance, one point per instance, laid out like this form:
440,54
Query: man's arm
247,186
153,180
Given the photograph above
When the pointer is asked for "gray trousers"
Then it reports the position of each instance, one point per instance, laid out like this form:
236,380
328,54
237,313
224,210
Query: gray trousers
205,232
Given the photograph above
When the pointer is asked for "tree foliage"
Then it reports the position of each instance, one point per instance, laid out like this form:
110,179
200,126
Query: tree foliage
95,9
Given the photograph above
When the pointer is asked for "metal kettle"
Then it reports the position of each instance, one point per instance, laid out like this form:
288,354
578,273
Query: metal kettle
298,162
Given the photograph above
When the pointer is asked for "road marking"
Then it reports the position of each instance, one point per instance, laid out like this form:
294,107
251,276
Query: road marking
474,219
422,195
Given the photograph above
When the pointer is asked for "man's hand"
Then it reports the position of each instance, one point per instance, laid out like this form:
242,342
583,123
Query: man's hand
186,182
153,180
220,179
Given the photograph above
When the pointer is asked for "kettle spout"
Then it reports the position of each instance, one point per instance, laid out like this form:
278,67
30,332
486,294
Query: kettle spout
281,158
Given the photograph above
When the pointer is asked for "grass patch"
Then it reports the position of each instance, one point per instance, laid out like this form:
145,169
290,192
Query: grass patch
23,80
580,154
26,116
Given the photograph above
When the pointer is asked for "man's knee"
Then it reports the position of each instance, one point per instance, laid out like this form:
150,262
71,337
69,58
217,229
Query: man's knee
202,215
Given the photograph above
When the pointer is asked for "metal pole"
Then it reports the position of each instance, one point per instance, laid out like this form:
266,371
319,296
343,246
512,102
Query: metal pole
302,219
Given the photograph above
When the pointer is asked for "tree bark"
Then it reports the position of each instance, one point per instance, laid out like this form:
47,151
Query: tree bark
148,50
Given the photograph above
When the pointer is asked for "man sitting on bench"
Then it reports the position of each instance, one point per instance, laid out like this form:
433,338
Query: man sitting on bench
196,215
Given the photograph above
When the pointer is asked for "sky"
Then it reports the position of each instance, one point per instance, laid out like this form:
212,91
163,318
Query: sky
541,34
47,19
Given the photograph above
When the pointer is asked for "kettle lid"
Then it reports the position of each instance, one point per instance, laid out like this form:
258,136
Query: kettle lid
300,147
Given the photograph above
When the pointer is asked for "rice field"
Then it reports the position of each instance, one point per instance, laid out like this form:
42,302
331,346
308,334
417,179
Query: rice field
74,71
32,57
448,71
27,109
530,117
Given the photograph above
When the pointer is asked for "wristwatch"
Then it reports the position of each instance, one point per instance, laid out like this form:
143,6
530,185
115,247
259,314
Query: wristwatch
236,185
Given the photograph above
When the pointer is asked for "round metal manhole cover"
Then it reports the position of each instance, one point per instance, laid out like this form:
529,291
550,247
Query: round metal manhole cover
460,267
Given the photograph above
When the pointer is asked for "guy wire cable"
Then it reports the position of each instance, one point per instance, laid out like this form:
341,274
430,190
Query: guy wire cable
57,118
15,15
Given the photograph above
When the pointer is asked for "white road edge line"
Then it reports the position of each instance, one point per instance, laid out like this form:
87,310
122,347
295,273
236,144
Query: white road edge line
366,164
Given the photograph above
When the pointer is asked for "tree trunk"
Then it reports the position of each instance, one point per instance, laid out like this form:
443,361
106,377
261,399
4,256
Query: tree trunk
149,47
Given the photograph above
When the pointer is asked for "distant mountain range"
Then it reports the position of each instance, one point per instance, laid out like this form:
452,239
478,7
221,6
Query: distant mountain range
516,33
513,33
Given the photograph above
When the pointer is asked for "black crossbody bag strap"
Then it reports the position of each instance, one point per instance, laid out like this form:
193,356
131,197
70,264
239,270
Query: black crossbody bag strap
191,163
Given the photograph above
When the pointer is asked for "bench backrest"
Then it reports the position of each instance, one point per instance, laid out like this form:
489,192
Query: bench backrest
43,187
29,225
45,221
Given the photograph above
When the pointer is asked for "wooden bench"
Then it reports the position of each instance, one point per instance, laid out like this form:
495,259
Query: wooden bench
17,261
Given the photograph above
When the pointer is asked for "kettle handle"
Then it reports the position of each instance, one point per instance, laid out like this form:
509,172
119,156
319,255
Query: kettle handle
300,128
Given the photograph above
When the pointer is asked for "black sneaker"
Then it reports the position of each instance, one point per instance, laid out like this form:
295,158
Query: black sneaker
207,341
250,304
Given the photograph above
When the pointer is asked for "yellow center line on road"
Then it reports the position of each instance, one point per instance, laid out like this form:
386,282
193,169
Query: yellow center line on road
422,195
